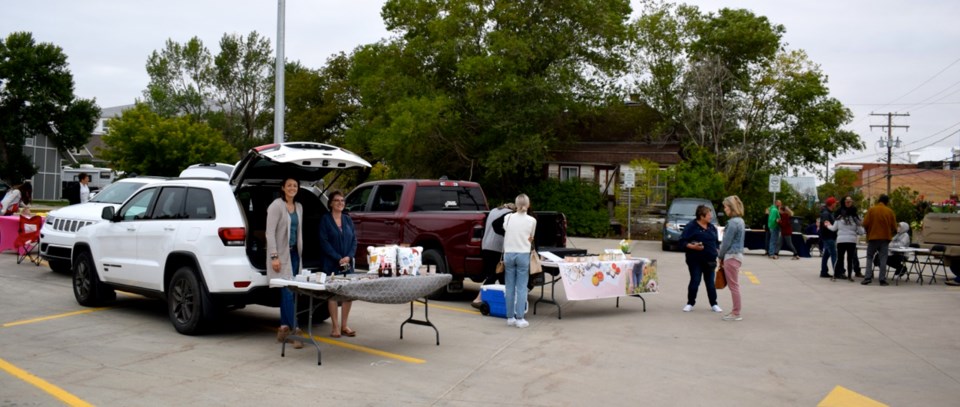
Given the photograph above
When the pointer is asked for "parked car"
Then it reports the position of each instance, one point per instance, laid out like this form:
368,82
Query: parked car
58,233
681,212
199,244
208,170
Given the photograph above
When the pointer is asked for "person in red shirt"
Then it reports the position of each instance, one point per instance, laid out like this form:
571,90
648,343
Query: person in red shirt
786,231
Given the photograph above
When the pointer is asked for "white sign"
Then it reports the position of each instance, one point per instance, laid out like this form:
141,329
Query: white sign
629,178
775,183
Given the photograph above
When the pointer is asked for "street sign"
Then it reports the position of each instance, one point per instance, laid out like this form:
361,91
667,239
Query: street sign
775,183
629,178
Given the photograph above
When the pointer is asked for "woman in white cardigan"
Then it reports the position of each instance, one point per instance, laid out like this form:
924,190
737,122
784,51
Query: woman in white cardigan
284,247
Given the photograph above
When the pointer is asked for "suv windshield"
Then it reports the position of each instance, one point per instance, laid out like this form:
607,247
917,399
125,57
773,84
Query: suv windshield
117,192
689,209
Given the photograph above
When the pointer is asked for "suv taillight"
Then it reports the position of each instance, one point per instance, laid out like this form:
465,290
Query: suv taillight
232,236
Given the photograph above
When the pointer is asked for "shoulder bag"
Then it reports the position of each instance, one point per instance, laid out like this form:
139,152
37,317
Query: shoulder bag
721,281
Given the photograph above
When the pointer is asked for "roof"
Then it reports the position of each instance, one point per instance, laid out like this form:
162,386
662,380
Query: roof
606,152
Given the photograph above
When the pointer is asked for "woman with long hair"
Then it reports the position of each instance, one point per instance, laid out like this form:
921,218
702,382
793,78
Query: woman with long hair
848,232
16,198
284,236
731,252
519,228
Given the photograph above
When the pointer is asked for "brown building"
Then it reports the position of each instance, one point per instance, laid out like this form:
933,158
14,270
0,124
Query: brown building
934,184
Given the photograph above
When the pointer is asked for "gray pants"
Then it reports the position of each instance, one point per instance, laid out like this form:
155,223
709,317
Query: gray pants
877,248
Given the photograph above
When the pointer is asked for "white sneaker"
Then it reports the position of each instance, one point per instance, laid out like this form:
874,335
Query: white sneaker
731,317
716,308
522,323
511,322
687,308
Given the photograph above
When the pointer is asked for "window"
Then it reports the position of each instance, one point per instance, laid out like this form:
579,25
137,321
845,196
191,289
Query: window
199,204
448,198
28,142
658,188
387,198
357,201
606,178
105,125
170,203
568,173
137,207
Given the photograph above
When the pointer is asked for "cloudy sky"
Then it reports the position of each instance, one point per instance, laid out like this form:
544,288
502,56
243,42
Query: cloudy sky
881,55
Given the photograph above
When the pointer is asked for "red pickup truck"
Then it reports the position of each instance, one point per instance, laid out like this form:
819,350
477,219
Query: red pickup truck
445,217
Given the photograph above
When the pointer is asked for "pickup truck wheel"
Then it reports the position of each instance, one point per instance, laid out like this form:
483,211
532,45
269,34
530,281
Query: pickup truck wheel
87,288
185,302
60,266
433,257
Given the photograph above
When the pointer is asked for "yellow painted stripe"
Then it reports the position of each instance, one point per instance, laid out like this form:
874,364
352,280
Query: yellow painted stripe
449,308
60,394
372,351
842,397
47,318
753,279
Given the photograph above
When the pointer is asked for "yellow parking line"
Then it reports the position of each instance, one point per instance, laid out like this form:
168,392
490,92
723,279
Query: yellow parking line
60,394
753,278
364,349
47,318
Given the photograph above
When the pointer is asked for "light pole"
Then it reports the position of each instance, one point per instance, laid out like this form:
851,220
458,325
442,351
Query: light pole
278,103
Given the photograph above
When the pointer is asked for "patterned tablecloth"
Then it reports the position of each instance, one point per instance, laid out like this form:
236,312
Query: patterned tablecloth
392,290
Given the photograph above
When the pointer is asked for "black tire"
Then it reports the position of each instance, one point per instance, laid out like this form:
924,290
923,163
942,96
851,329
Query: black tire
485,308
665,246
186,302
87,288
60,266
435,258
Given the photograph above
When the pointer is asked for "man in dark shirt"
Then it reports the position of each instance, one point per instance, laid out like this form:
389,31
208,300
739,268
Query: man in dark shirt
828,238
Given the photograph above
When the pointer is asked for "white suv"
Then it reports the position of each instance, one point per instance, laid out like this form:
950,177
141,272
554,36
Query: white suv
59,231
199,243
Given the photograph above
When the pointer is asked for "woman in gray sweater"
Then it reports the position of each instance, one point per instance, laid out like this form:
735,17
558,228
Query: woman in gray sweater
848,230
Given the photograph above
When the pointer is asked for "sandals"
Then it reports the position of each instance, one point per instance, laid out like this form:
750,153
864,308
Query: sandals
351,333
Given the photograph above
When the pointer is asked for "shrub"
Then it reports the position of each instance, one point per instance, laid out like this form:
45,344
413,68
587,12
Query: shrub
580,201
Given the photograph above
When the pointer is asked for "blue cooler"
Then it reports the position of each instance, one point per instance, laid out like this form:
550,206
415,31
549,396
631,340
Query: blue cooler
493,300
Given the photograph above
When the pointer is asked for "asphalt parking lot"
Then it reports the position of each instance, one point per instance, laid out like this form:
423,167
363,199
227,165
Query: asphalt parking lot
804,341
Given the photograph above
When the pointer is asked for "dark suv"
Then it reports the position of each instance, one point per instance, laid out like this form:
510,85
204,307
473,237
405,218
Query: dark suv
681,212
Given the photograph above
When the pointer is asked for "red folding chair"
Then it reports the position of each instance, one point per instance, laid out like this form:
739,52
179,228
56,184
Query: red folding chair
28,239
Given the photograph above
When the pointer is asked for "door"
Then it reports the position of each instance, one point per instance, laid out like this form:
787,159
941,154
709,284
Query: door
357,205
156,236
118,241
383,224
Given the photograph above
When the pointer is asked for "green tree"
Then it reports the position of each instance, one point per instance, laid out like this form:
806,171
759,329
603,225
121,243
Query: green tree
36,98
146,143
903,202
696,177
478,90
230,91
580,201
728,84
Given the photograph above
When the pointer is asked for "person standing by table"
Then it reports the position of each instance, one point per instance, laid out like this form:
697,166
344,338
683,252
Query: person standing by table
16,198
849,230
84,187
786,231
731,252
881,225
828,238
700,239
519,228
284,237
338,238
491,248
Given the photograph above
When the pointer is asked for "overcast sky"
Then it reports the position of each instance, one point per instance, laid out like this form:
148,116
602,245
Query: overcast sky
881,55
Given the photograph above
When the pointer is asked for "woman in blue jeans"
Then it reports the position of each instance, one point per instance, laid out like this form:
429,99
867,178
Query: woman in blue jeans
701,241
519,229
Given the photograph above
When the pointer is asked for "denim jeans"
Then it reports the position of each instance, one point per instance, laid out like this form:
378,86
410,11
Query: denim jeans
517,271
774,238
288,315
707,272
829,257
879,249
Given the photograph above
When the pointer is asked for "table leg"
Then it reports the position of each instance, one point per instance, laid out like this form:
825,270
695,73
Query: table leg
638,296
424,322
310,337
553,290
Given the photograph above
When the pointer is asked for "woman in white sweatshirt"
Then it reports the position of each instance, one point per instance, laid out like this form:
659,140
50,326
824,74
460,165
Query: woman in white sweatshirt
517,240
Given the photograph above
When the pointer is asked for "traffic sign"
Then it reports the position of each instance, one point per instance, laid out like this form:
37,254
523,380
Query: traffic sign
775,183
629,178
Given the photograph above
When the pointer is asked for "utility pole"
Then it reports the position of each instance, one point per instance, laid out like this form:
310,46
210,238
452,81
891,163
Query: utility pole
889,141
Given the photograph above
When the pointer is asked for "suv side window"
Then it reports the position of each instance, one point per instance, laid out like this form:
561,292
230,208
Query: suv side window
387,198
169,203
137,207
200,204
357,201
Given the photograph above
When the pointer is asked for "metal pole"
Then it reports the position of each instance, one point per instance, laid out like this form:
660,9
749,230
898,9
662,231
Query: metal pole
629,209
279,105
